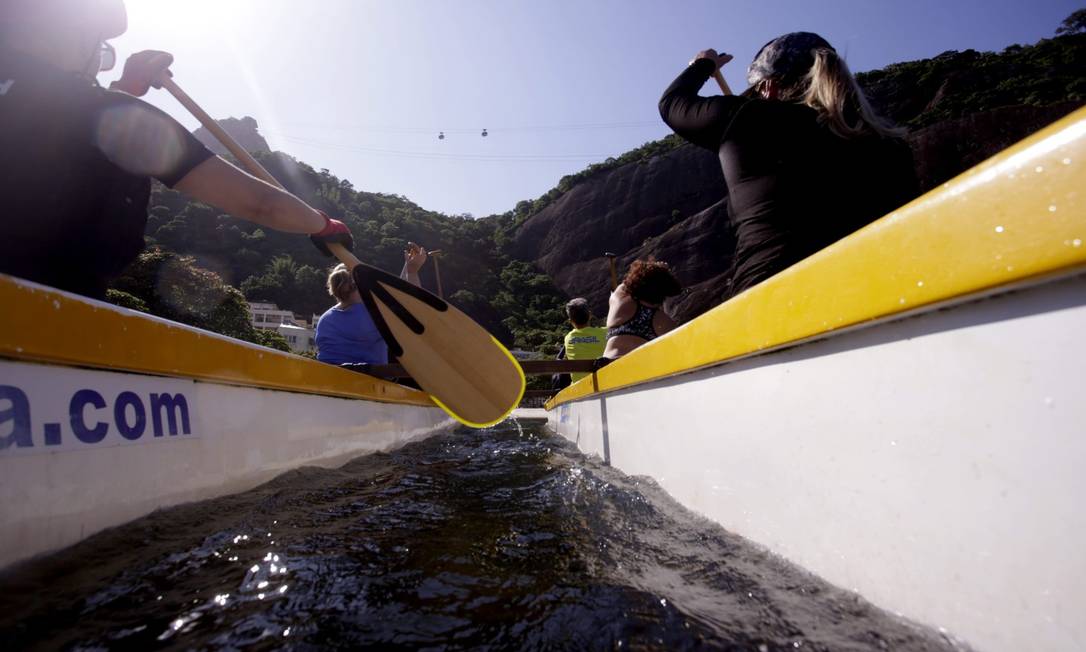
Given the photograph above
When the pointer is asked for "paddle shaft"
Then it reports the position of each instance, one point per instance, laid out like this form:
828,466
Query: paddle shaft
437,275
721,83
246,159
614,274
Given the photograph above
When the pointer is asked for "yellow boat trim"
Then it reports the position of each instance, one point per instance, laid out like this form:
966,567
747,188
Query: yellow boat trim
1018,216
41,324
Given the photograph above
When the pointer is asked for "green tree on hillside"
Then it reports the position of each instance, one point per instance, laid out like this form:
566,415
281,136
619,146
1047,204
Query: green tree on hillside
956,84
289,285
532,306
174,287
1073,24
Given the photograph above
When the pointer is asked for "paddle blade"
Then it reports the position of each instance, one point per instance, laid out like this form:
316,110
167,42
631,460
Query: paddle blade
464,369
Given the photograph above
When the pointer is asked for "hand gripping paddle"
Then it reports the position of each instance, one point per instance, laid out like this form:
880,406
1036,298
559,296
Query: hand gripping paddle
463,368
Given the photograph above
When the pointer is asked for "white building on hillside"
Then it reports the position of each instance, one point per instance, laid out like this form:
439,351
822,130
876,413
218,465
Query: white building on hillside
298,337
301,337
268,315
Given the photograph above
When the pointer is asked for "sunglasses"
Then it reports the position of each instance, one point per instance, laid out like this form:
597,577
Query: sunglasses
107,57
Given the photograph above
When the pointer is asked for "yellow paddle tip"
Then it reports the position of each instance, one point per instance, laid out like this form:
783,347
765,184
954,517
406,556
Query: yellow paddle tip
508,411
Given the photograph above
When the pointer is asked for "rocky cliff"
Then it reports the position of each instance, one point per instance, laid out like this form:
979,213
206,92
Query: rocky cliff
670,206
243,130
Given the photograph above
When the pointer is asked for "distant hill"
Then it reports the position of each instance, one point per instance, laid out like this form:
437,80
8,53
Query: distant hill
954,85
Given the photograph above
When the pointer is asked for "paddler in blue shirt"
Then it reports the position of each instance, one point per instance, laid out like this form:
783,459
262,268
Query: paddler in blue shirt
346,334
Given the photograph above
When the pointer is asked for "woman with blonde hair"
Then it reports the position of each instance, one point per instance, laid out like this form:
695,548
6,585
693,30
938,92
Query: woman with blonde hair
346,333
805,158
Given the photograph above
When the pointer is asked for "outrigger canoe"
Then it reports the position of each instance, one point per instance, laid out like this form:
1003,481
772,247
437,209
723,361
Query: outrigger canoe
903,413
107,414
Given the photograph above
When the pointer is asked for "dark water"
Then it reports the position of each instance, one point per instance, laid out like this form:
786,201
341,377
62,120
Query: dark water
506,538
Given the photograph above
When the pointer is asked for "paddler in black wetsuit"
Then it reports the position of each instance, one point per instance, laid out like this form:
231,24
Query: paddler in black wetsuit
76,160
805,159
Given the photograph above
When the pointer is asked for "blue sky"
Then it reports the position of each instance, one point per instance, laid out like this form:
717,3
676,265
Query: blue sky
363,88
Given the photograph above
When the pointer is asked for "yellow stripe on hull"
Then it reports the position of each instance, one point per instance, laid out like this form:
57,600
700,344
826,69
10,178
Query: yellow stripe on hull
44,325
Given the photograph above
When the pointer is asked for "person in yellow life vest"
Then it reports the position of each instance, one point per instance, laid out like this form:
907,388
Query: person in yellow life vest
584,342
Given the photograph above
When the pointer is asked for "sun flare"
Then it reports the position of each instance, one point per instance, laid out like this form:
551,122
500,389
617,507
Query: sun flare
206,15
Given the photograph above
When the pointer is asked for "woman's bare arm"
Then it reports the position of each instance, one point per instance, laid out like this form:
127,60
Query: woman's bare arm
620,307
414,257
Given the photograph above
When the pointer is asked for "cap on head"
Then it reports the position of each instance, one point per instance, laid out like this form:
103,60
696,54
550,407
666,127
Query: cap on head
786,58
105,18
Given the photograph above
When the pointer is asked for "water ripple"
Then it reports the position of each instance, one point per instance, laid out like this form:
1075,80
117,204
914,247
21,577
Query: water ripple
505,538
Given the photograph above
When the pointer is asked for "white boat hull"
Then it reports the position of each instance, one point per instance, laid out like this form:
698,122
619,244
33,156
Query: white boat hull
933,464
82,450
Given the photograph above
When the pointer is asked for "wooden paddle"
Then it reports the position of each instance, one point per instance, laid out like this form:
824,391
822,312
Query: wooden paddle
719,76
614,274
464,369
721,83
437,271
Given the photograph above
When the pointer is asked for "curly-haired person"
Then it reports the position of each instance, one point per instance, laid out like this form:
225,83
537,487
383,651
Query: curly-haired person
636,312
